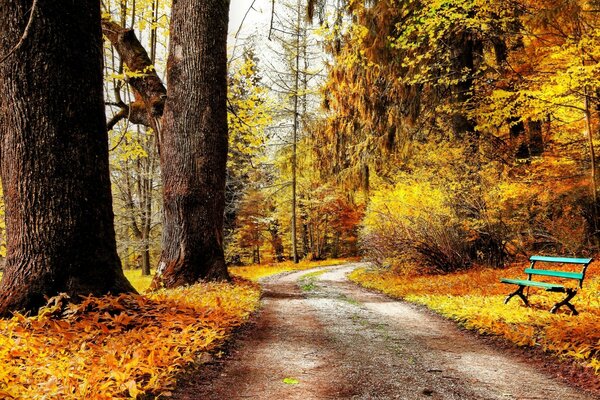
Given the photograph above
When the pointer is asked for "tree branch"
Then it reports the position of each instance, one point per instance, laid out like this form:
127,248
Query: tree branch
149,90
25,32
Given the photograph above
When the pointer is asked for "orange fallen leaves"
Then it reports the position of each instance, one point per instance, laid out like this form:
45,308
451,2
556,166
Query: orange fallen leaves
117,346
475,299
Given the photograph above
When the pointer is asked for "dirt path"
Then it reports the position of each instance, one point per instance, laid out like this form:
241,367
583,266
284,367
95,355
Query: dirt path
340,341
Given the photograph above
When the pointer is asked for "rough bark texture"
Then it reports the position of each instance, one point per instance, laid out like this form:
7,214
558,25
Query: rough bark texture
54,156
194,144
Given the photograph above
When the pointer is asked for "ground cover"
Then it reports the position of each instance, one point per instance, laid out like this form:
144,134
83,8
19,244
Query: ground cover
256,272
118,347
475,299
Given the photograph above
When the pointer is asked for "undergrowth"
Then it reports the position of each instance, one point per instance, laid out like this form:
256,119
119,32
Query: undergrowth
475,299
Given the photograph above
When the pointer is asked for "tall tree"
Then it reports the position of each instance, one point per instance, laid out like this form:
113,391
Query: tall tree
54,155
193,144
294,78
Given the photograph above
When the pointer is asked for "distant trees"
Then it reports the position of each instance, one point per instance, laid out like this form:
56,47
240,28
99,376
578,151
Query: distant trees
481,105
134,161
59,220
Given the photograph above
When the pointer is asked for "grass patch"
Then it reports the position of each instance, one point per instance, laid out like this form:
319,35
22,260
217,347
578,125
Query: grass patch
475,299
349,300
140,282
307,281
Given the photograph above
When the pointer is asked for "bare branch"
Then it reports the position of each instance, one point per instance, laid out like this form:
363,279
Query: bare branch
25,32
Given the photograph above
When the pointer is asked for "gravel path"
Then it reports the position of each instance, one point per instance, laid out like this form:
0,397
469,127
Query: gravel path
339,341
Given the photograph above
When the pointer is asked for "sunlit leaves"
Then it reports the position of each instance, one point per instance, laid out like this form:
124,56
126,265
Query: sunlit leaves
117,347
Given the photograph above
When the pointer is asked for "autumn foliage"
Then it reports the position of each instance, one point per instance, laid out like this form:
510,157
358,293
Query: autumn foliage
469,125
118,347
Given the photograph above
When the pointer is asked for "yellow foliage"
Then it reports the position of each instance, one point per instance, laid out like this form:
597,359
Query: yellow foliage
117,347
140,282
255,272
476,300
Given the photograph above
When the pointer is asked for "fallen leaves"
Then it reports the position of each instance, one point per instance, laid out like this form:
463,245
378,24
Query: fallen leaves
117,346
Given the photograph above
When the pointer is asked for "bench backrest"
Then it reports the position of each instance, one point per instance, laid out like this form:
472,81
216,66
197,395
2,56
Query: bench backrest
584,262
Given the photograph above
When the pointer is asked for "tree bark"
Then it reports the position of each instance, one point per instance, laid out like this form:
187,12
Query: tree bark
517,137
54,156
536,137
194,145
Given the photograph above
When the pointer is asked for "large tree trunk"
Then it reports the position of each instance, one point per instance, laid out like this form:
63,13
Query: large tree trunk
194,144
54,156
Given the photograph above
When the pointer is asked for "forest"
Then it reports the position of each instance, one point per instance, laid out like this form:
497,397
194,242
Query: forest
160,160
443,134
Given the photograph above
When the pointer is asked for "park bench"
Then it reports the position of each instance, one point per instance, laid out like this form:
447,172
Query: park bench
550,286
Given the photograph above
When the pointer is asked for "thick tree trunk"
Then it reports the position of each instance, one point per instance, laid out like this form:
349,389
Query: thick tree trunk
54,155
194,144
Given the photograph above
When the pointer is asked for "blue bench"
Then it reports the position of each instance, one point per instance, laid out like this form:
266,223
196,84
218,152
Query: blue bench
550,287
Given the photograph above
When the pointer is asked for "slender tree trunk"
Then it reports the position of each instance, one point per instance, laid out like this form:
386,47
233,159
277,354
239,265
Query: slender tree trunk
276,242
517,138
194,144
295,139
54,155
594,182
464,126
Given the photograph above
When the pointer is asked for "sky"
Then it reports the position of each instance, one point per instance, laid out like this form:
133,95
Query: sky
258,16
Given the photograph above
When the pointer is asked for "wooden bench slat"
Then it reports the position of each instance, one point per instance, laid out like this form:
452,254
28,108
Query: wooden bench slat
526,282
567,260
558,274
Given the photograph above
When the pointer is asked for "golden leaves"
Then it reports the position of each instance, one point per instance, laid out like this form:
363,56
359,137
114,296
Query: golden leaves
117,346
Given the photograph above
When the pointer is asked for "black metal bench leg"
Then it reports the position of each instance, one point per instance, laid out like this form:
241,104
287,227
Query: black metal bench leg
518,292
565,302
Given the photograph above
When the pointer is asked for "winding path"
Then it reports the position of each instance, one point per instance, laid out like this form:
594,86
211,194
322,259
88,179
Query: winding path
334,340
